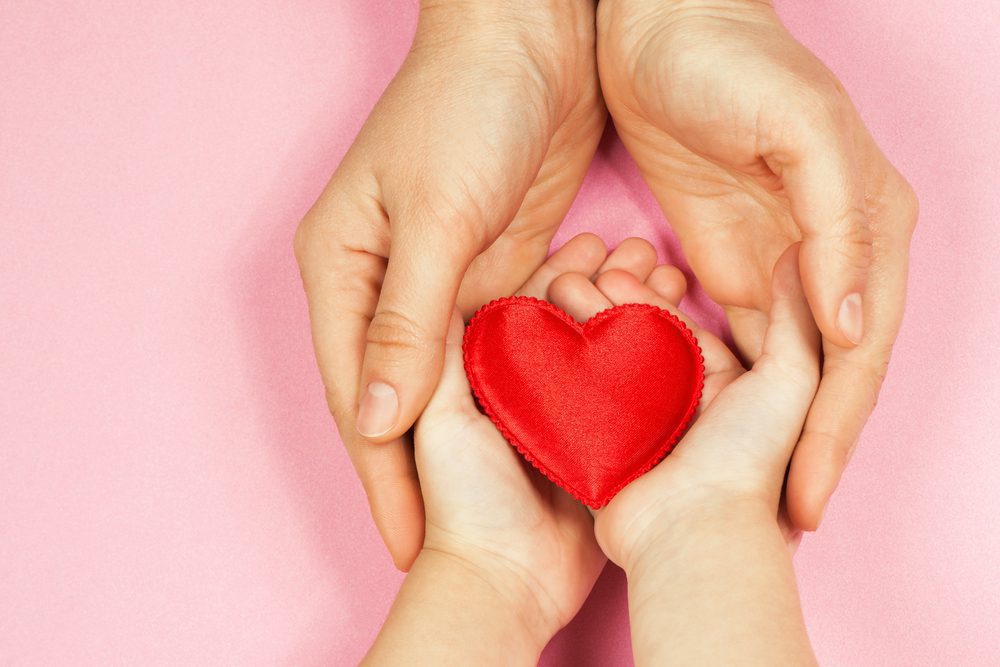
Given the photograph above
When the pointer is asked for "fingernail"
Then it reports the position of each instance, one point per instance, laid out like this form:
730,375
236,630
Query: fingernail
378,410
850,319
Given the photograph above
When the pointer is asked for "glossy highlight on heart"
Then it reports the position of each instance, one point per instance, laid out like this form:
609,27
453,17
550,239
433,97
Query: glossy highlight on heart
593,406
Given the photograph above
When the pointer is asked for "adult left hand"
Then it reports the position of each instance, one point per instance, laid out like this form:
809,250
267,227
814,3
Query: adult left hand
750,144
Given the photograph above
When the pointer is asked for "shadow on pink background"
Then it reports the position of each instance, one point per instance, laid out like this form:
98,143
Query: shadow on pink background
172,490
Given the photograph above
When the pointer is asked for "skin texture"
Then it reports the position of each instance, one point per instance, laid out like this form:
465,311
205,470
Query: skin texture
750,144
509,558
451,193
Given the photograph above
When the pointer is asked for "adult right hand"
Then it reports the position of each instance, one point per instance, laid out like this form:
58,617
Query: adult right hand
450,194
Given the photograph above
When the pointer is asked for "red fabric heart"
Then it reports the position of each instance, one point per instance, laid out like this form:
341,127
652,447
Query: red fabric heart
592,406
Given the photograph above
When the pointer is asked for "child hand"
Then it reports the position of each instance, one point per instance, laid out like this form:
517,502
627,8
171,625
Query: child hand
734,457
492,517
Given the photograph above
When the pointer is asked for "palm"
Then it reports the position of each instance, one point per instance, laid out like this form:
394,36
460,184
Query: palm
504,507
689,103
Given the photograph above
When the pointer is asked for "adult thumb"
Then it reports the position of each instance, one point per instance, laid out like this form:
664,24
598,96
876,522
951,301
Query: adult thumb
826,192
404,349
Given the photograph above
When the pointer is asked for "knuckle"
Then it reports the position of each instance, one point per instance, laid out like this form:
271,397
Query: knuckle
799,375
395,331
315,237
853,239
868,376
339,407
910,207
836,447
303,239
825,101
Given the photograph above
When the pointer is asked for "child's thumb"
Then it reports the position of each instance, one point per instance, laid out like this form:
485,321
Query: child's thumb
792,342
452,391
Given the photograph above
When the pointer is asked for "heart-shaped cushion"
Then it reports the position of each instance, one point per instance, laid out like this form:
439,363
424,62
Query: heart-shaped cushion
592,406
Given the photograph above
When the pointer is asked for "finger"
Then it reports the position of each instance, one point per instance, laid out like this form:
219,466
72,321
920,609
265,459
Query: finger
779,388
452,392
748,327
791,344
669,283
388,474
635,255
583,254
622,287
405,341
721,367
576,295
341,285
852,378
824,184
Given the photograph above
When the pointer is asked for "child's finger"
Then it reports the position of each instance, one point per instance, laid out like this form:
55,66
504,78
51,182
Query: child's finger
576,295
792,342
453,389
582,254
669,282
622,287
635,255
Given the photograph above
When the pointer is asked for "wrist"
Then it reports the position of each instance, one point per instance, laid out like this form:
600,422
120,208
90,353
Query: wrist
663,528
489,591
725,570
557,36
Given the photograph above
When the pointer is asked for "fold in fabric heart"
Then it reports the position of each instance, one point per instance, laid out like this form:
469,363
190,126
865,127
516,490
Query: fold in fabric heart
592,406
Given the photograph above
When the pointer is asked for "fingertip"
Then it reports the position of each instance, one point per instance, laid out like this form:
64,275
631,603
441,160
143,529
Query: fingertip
617,281
395,501
577,296
814,475
583,254
402,533
378,411
669,282
590,248
834,292
786,277
635,255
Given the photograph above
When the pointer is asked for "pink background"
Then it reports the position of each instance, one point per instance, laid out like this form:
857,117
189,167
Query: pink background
171,488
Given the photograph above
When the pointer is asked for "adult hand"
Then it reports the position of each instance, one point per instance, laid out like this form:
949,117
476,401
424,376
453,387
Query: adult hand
750,144
451,192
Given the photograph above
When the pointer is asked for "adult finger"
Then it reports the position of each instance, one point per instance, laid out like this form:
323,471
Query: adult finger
852,378
823,180
405,340
341,282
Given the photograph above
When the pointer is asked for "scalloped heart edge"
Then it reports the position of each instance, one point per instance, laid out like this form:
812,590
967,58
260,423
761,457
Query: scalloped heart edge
668,445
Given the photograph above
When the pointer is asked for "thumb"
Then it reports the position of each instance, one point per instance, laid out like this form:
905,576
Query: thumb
404,348
826,192
791,347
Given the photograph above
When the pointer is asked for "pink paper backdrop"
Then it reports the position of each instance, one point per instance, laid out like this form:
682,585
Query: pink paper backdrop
171,488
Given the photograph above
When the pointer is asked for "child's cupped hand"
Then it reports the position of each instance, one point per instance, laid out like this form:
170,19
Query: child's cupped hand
486,506
733,459
493,512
